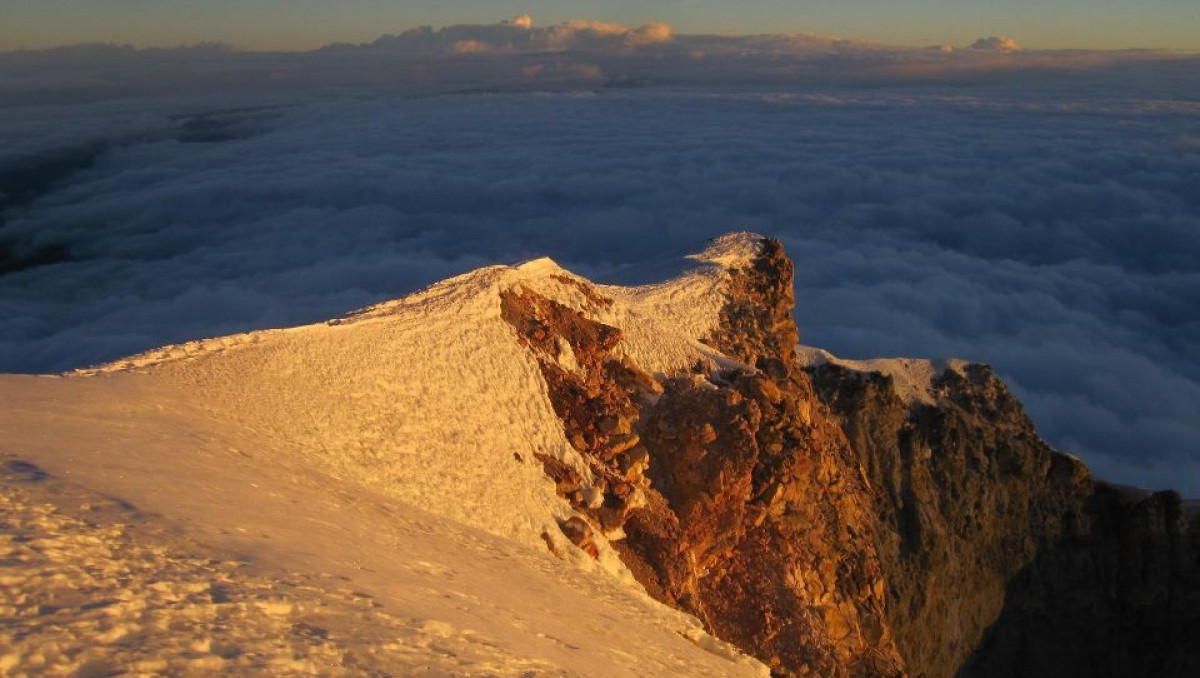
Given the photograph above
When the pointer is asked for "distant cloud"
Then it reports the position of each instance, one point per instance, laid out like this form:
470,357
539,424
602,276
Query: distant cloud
1043,219
519,36
523,21
500,57
996,44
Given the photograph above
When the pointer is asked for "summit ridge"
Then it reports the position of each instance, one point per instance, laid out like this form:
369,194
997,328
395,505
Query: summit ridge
522,471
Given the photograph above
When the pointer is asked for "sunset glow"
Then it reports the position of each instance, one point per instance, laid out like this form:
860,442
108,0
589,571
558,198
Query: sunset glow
307,24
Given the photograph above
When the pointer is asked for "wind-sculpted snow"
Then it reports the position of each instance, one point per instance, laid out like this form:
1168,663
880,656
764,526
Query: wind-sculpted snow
394,450
1031,210
94,588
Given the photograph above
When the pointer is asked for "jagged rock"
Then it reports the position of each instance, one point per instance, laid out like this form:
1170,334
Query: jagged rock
619,443
610,425
764,389
705,434
597,407
828,528
634,463
1005,557
579,533
789,583
566,479
626,373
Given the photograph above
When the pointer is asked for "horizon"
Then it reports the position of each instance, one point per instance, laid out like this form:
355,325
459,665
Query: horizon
266,26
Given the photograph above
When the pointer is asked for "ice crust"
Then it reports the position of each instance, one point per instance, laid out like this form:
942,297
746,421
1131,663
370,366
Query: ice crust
393,448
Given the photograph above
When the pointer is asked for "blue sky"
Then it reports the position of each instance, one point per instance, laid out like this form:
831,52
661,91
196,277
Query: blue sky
299,24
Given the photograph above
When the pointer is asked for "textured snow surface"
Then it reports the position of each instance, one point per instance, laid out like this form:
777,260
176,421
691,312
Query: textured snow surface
912,378
391,450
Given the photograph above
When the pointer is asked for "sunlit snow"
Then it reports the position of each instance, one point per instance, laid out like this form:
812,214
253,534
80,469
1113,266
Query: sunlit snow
390,451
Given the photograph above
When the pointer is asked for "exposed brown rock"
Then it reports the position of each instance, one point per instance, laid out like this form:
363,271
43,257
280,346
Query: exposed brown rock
596,403
735,505
1006,558
614,425
595,298
618,443
771,502
955,511
836,531
1116,594
630,377
579,533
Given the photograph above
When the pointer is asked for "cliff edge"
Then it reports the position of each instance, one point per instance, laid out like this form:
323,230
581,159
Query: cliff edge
863,518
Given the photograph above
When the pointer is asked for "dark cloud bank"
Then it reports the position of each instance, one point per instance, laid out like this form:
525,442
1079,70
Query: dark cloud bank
1036,211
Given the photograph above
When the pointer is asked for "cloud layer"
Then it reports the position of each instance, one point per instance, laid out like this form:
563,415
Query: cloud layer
996,44
1047,223
517,36
517,54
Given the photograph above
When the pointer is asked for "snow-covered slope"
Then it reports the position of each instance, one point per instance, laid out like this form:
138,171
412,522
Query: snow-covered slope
391,451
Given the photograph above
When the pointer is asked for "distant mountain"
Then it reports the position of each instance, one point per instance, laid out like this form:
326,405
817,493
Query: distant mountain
487,478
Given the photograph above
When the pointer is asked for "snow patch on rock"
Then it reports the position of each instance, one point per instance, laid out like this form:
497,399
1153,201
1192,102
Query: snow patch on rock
912,378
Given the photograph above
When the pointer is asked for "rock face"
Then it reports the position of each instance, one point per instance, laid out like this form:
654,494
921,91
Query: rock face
594,393
827,527
1004,557
775,513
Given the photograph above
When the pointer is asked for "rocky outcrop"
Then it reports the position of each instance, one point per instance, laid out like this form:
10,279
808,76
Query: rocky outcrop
1116,593
596,396
737,496
773,508
965,494
827,527
1005,557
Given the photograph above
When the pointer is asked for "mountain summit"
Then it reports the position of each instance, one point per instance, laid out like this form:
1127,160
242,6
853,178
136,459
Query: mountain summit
519,472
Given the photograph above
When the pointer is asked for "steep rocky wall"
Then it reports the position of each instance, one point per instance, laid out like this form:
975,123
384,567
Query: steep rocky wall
966,495
1004,557
810,558
736,494
828,528
1116,594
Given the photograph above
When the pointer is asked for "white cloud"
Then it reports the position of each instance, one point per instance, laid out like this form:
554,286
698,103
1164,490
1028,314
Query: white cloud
523,21
996,44
521,36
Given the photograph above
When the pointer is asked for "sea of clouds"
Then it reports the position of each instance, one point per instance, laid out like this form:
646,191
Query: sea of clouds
1038,211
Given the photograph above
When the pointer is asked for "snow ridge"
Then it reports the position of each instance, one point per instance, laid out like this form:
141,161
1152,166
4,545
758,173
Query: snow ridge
426,401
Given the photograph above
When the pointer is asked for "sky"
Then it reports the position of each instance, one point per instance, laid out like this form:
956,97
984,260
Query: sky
306,24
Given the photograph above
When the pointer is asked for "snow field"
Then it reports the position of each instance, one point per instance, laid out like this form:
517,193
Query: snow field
391,450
